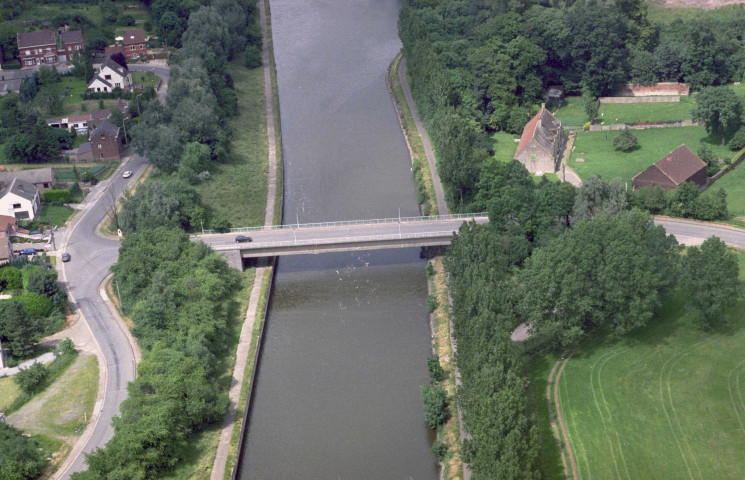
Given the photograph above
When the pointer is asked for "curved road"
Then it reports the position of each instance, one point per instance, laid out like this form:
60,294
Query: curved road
92,257
693,232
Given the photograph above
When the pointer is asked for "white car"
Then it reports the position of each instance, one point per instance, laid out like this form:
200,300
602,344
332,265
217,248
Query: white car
126,174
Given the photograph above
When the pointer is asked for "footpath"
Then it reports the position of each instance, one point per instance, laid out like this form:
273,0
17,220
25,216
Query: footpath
219,465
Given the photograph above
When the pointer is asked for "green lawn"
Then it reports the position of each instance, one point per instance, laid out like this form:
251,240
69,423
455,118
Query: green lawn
504,146
631,113
734,184
572,112
666,402
145,78
237,190
596,148
9,391
55,214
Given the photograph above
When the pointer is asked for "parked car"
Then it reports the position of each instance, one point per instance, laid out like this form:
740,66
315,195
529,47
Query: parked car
65,257
243,239
126,174
35,232
28,251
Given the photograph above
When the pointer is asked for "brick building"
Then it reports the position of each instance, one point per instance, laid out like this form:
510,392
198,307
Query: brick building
669,172
134,42
106,142
37,48
71,42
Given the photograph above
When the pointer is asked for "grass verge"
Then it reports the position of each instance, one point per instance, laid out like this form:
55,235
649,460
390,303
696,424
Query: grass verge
420,166
732,183
55,369
596,148
56,214
631,113
237,189
9,392
663,402
449,432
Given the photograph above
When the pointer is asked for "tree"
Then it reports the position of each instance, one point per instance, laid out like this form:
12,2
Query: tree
651,199
719,109
607,273
18,334
598,197
435,369
21,457
10,278
737,141
625,141
32,379
712,161
435,400
710,279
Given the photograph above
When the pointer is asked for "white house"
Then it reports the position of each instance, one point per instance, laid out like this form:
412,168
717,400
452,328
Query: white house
19,199
110,76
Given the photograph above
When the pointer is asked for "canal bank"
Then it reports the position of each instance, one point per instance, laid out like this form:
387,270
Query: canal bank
337,385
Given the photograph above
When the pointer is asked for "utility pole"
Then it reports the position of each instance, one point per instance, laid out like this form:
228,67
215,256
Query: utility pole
202,224
118,294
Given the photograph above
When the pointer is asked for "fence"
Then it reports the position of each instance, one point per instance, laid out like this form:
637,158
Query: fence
353,222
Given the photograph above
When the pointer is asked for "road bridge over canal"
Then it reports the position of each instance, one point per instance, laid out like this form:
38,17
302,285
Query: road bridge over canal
313,238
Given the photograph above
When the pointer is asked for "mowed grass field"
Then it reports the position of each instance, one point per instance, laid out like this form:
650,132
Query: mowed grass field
596,148
666,402
733,184
631,113
571,112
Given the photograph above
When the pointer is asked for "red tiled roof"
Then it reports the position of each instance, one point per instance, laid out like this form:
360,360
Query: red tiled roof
543,128
680,164
133,36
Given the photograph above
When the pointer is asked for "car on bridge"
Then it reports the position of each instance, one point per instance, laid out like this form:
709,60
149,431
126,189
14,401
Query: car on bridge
243,239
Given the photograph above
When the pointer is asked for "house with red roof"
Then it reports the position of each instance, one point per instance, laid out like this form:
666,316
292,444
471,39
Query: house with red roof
541,143
134,42
679,166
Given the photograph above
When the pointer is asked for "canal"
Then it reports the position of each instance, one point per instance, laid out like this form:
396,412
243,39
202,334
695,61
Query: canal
347,335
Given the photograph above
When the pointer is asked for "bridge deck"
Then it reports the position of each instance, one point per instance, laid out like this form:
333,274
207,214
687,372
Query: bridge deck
342,236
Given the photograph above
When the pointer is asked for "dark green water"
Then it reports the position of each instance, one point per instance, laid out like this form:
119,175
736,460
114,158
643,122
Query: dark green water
343,358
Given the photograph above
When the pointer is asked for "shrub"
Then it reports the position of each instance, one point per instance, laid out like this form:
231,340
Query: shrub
737,141
430,269
253,56
10,278
435,369
20,456
435,402
66,347
432,303
651,199
32,379
36,305
625,141
439,450
75,190
57,196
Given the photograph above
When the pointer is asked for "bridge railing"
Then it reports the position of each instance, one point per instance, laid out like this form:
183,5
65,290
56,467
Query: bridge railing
290,226
331,241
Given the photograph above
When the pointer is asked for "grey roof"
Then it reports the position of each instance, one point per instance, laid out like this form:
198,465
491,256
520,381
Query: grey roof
34,175
99,115
542,129
85,148
19,187
122,105
35,39
6,249
115,67
106,127
72,36
100,79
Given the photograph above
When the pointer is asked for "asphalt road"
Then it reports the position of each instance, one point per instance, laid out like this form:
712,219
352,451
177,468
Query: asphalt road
92,256
692,232
286,236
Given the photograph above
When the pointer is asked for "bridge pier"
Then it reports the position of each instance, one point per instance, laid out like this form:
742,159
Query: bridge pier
234,259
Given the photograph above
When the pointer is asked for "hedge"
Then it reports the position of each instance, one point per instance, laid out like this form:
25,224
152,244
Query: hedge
60,195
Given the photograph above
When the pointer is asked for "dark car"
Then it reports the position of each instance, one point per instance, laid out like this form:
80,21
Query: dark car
243,239
65,257
28,251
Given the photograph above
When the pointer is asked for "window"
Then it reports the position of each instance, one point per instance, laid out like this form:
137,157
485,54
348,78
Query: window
21,215
100,146
118,84
132,47
107,77
49,49
46,185
16,205
77,47
28,52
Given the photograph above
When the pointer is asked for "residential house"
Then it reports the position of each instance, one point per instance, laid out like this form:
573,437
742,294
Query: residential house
110,50
134,42
78,122
541,143
106,142
98,116
42,178
84,153
7,228
71,42
110,76
37,48
669,172
19,199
